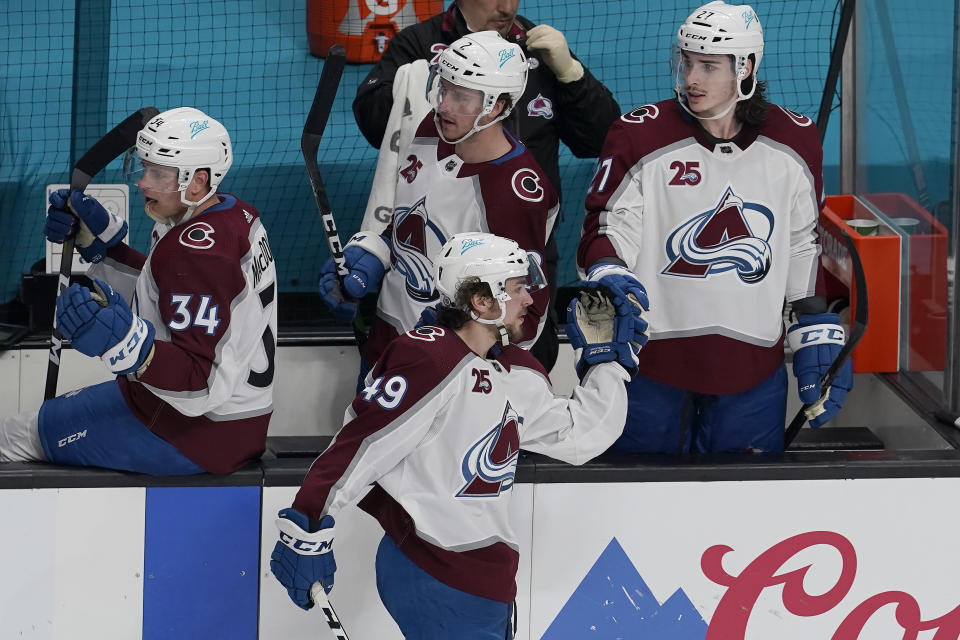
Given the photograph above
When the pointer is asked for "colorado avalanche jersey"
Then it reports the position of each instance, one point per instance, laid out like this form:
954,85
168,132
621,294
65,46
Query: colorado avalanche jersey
209,287
438,429
439,195
719,232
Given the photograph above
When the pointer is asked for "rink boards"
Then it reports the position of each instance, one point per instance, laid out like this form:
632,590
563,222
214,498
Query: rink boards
717,551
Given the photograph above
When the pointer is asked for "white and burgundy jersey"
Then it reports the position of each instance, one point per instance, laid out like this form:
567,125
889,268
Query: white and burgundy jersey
438,429
439,195
719,233
209,286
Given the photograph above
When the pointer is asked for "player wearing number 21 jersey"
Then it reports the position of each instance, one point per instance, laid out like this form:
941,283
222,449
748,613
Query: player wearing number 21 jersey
189,329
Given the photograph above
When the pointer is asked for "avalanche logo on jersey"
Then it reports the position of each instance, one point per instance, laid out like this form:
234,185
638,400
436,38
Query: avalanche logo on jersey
490,465
638,115
411,229
733,235
198,235
540,107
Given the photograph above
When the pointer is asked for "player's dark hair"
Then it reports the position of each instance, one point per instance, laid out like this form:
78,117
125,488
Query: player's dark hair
455,317
507,101
753,110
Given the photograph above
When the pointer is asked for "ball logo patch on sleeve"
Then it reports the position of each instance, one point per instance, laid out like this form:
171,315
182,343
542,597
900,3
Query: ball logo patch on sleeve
638,115
198,235
526,184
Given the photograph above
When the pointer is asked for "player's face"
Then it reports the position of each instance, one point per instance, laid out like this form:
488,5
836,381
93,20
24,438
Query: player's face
160,190
489,15
458,109
708,82
517,305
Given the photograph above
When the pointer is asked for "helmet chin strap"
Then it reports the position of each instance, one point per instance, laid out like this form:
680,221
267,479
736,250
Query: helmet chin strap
191,208
498,322
474,129
715,117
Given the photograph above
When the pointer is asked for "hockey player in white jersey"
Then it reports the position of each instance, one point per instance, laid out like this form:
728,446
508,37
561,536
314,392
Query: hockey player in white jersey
711,202
189,329
437,432
462,172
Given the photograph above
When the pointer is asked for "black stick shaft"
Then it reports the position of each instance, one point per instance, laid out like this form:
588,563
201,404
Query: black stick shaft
109,147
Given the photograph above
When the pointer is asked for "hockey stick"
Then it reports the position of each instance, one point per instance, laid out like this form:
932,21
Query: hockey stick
309,144
946,417
113,144
319,597
856,332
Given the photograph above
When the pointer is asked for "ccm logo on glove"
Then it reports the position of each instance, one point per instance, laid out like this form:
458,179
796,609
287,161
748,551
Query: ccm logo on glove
138,333
821,334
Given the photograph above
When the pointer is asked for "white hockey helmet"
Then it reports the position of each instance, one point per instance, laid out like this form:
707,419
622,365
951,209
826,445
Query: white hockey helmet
186,139
486,258
483,61
718,28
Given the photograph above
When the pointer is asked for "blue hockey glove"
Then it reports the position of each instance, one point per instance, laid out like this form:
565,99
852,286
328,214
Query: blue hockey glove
428,317
302,557
602,334
329,288
365,273
99,323
815,340
620,282
96,228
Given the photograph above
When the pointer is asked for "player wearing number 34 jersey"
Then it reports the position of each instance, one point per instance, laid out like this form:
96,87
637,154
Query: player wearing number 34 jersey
190,329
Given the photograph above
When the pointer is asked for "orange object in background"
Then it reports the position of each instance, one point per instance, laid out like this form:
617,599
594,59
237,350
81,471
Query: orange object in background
905,269
363,27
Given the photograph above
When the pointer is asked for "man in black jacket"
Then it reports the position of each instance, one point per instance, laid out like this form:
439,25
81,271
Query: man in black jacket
562,101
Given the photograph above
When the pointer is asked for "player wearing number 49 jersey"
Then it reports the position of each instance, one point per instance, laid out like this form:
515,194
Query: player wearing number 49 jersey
711,202
437,432
190,329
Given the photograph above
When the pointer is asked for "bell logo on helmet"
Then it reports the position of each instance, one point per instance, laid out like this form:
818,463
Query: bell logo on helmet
506,54
468,244
197,126
748,17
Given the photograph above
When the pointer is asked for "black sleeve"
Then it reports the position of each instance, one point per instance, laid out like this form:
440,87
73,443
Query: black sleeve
586,110
374,99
